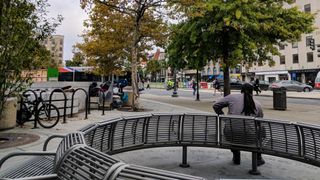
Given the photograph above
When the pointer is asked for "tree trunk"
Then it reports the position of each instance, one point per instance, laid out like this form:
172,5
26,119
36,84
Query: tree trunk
197,78
134,69
226,74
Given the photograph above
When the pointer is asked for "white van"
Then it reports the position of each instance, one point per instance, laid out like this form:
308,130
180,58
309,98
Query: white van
317,81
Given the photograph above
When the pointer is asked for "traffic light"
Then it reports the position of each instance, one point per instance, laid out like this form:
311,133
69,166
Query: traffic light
318,49
311,44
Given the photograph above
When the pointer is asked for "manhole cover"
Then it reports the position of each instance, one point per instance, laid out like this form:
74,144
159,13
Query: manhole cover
16,139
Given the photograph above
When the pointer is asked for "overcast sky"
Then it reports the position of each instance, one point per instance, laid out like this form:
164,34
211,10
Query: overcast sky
72,25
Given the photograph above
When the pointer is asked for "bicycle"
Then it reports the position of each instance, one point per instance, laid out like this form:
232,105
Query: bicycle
47,115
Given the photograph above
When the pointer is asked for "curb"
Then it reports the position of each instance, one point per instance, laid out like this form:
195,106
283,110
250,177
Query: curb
262,95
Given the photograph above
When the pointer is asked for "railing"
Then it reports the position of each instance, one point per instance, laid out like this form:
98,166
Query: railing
279,138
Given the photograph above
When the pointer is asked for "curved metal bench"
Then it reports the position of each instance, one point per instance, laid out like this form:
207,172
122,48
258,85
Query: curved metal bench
85,163
299,142
40,163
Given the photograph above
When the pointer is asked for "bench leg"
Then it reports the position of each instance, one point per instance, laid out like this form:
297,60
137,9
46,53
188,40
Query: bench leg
254,170
184,163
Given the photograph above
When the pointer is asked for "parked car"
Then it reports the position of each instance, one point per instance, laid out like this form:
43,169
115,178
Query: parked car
264,85
234,84
291,85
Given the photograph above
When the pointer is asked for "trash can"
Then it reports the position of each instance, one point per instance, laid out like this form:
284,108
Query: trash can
128,90
279,99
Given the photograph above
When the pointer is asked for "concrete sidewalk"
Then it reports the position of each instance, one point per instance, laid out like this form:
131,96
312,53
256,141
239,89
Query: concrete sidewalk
210,163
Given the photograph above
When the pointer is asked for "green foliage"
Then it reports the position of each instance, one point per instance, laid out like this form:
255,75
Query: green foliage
77,59
237,32
22,27
153,66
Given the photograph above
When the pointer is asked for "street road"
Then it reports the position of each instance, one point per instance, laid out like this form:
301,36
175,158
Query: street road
298,110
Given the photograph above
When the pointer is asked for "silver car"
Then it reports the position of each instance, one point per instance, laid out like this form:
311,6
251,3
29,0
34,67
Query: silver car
291,85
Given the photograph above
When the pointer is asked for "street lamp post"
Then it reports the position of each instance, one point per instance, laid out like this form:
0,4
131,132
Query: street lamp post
175,92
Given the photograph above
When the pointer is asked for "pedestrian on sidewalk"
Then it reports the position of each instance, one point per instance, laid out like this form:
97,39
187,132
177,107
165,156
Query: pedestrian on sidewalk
240,104
148,84
194,87
216,86
257,86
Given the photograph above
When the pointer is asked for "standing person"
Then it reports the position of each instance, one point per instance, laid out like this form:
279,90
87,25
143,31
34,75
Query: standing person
257,86
194,87
240,104
148,84
216,86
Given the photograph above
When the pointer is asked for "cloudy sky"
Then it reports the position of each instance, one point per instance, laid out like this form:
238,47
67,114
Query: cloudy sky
72,25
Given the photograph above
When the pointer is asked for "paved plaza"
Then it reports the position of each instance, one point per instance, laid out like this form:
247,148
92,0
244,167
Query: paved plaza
211,163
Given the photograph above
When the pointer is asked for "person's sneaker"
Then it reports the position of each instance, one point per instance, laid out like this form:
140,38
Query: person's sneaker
260,162
236,160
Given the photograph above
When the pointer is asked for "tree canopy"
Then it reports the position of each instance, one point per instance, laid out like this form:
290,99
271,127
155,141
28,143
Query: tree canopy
122,30
23,26
239,32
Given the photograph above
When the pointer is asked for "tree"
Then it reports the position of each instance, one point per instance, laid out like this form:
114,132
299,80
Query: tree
77,59
187,49
242,32
144,24
23,26
153,67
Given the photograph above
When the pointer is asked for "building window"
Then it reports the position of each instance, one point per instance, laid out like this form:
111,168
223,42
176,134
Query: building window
307,8
61,42
295,45
60,48
281,46
295,58
282,59
310,57
60,55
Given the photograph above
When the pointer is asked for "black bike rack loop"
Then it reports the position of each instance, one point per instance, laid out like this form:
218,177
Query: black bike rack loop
65,102
86,103
89,98
35,106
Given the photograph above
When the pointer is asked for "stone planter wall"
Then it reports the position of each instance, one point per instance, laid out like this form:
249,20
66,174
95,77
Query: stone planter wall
8,118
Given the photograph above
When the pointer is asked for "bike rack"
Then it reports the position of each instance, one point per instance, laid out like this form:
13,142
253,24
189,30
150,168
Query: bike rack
86,103
65,102
35,106
89,100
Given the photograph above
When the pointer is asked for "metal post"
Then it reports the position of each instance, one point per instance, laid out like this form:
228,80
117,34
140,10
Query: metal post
198,96
175,92
103,99
254,170
184,163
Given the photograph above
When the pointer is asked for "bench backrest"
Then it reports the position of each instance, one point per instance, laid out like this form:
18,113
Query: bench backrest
85,163
67,142
280,138
134,172
81,162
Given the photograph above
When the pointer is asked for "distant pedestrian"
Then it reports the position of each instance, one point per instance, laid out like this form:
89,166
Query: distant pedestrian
216,86
194,87
148,84
257,86
240,104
